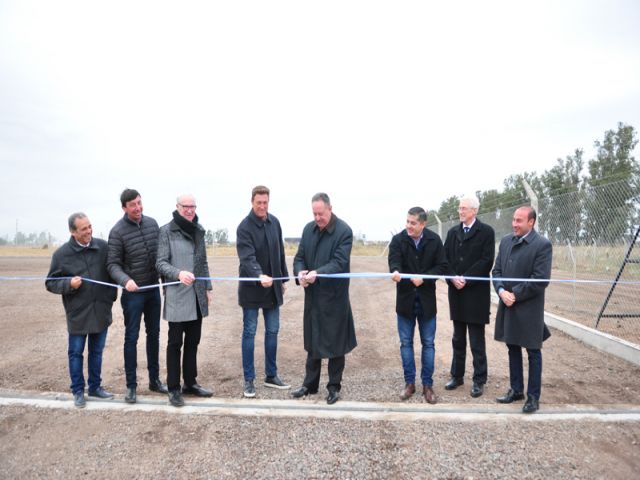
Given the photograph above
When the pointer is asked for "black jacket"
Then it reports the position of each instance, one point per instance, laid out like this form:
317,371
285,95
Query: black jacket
261,251
427,259
133,251
88,308
470,255
328,321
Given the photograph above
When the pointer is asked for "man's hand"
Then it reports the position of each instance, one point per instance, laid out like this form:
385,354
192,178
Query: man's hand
284,287
76,282
417,281
131,286
186,277
311,277
395,276
302,278
459,282
266,281
209,297
508,298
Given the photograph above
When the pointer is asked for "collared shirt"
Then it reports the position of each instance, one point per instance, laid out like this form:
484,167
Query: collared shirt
417,242
82,245
466,228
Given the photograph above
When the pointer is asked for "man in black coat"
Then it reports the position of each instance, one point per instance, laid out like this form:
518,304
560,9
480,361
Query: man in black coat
261,252
87,304
329,332
417,250
520,319
133,247
470,250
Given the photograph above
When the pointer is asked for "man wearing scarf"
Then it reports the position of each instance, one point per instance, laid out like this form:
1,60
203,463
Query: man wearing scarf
182,257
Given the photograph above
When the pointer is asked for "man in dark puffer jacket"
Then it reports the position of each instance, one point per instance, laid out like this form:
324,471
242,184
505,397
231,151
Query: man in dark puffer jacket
133,248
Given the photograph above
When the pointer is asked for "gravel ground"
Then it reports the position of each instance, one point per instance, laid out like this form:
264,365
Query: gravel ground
61,443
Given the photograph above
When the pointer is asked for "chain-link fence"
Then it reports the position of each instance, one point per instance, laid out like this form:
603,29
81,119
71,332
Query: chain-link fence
593,231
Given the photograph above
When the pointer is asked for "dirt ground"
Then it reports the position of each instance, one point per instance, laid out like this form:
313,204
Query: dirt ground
52,443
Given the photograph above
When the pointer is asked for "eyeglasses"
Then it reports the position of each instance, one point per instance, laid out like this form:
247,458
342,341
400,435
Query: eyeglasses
188,207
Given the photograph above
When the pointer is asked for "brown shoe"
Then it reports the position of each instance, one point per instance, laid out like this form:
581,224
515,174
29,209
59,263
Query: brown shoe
409,390
428,394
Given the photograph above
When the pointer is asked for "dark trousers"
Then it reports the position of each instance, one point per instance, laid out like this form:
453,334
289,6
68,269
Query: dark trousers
189,333
134,305
312,373
534,385
478,351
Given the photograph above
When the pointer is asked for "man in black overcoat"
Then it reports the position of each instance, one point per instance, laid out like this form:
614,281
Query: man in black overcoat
520,320
329,332
470,249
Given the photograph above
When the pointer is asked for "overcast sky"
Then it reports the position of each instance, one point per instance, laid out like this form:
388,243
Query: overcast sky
383,105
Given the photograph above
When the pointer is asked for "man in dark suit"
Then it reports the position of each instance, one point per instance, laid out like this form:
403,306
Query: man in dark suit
520,320
470,249
329,331
417,250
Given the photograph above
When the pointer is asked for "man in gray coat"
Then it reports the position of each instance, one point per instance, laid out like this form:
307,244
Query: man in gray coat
182,257
133,246
87,304
329,331
520,319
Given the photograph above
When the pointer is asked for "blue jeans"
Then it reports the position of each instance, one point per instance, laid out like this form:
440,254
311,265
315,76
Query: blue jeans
516,378
76,360
427,329
134,304
271,328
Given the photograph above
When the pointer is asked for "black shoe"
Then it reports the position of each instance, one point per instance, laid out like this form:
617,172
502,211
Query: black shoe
175,398
100,393
510,397
276,382
531,405
454,383
477,389
78,400
302,392
130,397
197,390
333,397
157,386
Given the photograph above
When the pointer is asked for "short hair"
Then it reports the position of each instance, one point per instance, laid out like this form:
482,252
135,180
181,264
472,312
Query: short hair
418,212
321,197
259,190
72,220
472,201
531,212
182,195
127,195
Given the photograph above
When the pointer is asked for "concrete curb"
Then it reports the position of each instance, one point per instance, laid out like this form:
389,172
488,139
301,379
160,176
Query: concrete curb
317,408
602,341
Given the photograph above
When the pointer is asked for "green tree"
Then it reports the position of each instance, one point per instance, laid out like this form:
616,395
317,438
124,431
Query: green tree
448,210
610,208
561,204
221,236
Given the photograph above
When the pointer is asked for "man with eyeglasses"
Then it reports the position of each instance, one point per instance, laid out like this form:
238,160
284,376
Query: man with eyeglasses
133,246
182,257
470,249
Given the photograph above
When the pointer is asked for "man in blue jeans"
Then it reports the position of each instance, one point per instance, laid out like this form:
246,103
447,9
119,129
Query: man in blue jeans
87,304
416,250
261,252
133,249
